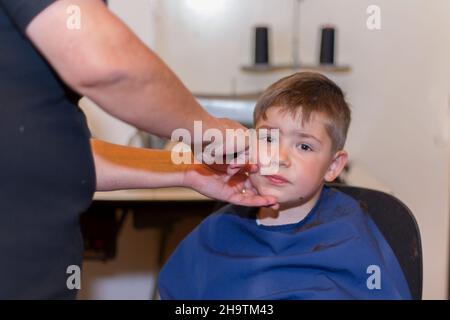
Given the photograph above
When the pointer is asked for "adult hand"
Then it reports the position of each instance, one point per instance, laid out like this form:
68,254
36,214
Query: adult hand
230,153
236,188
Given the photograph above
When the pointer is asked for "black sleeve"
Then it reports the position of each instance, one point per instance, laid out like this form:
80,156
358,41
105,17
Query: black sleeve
23,11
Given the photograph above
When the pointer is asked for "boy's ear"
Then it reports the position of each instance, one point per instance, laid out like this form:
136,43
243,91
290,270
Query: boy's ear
337,165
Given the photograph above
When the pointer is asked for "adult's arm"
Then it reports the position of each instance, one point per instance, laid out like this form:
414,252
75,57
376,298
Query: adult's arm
119,167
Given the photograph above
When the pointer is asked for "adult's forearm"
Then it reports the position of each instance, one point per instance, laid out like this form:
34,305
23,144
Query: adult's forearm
118,167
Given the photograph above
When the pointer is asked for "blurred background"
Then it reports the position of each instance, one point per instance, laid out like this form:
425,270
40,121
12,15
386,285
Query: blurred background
396,79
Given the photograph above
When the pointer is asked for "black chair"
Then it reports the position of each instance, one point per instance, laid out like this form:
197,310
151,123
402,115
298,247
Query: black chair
399,227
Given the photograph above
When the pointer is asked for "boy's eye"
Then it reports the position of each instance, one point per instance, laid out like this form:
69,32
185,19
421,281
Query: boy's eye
267,139
304,147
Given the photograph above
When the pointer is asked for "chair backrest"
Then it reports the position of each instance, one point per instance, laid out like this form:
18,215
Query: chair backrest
399,227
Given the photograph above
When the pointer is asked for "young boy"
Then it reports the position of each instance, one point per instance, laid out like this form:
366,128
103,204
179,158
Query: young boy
319,244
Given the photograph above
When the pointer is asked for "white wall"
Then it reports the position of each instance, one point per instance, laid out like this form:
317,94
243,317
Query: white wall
399,87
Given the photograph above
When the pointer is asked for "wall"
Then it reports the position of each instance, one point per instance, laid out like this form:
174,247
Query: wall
398,88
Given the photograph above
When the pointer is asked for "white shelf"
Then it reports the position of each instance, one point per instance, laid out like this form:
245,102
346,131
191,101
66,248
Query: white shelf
283,67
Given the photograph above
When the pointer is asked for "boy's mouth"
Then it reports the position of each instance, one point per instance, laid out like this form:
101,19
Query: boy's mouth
276,180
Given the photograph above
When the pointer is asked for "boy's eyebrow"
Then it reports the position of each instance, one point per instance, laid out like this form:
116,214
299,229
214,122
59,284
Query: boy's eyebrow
306,135
267,127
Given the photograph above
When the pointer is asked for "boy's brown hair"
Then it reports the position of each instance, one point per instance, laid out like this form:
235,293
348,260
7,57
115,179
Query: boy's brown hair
306,93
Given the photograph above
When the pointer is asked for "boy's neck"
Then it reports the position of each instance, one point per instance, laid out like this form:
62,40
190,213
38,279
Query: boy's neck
287,213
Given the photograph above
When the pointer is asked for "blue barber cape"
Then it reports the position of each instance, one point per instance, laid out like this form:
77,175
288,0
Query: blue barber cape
335,252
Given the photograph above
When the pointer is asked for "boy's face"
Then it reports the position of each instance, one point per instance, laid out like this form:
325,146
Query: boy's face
305,157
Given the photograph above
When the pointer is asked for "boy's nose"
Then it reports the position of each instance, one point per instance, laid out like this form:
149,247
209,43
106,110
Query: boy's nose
283,155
